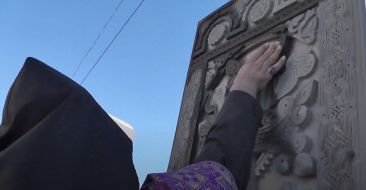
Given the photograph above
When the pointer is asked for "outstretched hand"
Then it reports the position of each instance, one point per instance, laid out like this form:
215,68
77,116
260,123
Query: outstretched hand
258,69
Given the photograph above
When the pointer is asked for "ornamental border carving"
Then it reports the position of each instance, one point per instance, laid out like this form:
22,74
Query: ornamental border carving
338,97
227,49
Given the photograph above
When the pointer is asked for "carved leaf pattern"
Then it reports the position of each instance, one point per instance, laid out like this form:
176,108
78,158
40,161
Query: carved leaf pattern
297,66
304,26
297,88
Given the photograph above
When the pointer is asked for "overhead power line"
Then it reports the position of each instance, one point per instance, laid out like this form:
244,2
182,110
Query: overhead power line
98,37
111,42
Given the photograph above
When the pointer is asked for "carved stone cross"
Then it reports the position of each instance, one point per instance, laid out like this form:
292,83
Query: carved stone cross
314,112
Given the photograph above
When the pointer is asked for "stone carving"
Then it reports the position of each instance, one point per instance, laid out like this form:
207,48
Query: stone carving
204,127
211,74
309,133
241,6
260,10
300,143
336,113
191,93
304,26
292,111
299,115
217,63
285,107
217,34
267,126
337,131
262,162
190,97
282,4
336,159
219,94
232,67
283,164
307,93
297,66
210,107
294,186
304,165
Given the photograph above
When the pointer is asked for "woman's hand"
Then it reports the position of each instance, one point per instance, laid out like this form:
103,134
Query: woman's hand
258,69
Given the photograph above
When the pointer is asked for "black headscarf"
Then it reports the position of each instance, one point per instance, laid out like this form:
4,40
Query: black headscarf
54,135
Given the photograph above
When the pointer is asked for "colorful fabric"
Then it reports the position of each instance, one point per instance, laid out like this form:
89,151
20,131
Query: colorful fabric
200,176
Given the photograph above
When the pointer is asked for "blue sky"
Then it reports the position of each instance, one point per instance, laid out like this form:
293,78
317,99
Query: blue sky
140,79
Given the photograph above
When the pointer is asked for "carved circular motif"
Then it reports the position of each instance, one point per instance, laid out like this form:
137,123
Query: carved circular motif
300,143
260,10
232,67
298,117
284,132
217,33
285,106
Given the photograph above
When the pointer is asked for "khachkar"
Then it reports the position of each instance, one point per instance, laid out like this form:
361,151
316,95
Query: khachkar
314,123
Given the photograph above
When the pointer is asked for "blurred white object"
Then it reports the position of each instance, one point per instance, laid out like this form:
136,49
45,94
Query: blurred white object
127,128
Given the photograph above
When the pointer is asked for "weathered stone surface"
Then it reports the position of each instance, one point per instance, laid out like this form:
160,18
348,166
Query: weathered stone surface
312,133
305,165
294,186
283,164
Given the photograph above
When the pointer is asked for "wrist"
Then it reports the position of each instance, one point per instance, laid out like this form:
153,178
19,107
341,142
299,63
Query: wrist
249,88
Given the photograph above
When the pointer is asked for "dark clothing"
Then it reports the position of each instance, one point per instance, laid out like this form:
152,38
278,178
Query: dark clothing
55,136
230,141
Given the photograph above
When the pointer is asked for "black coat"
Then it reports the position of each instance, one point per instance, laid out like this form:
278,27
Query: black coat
55,136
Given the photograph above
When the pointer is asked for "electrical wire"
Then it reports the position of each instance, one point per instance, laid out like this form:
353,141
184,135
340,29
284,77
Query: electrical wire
111,42
98,37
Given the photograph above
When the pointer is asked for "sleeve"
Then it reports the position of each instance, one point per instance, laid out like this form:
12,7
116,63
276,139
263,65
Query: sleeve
231,140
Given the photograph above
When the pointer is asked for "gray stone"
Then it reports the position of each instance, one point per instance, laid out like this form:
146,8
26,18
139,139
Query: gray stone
305,165
317,102
283,164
